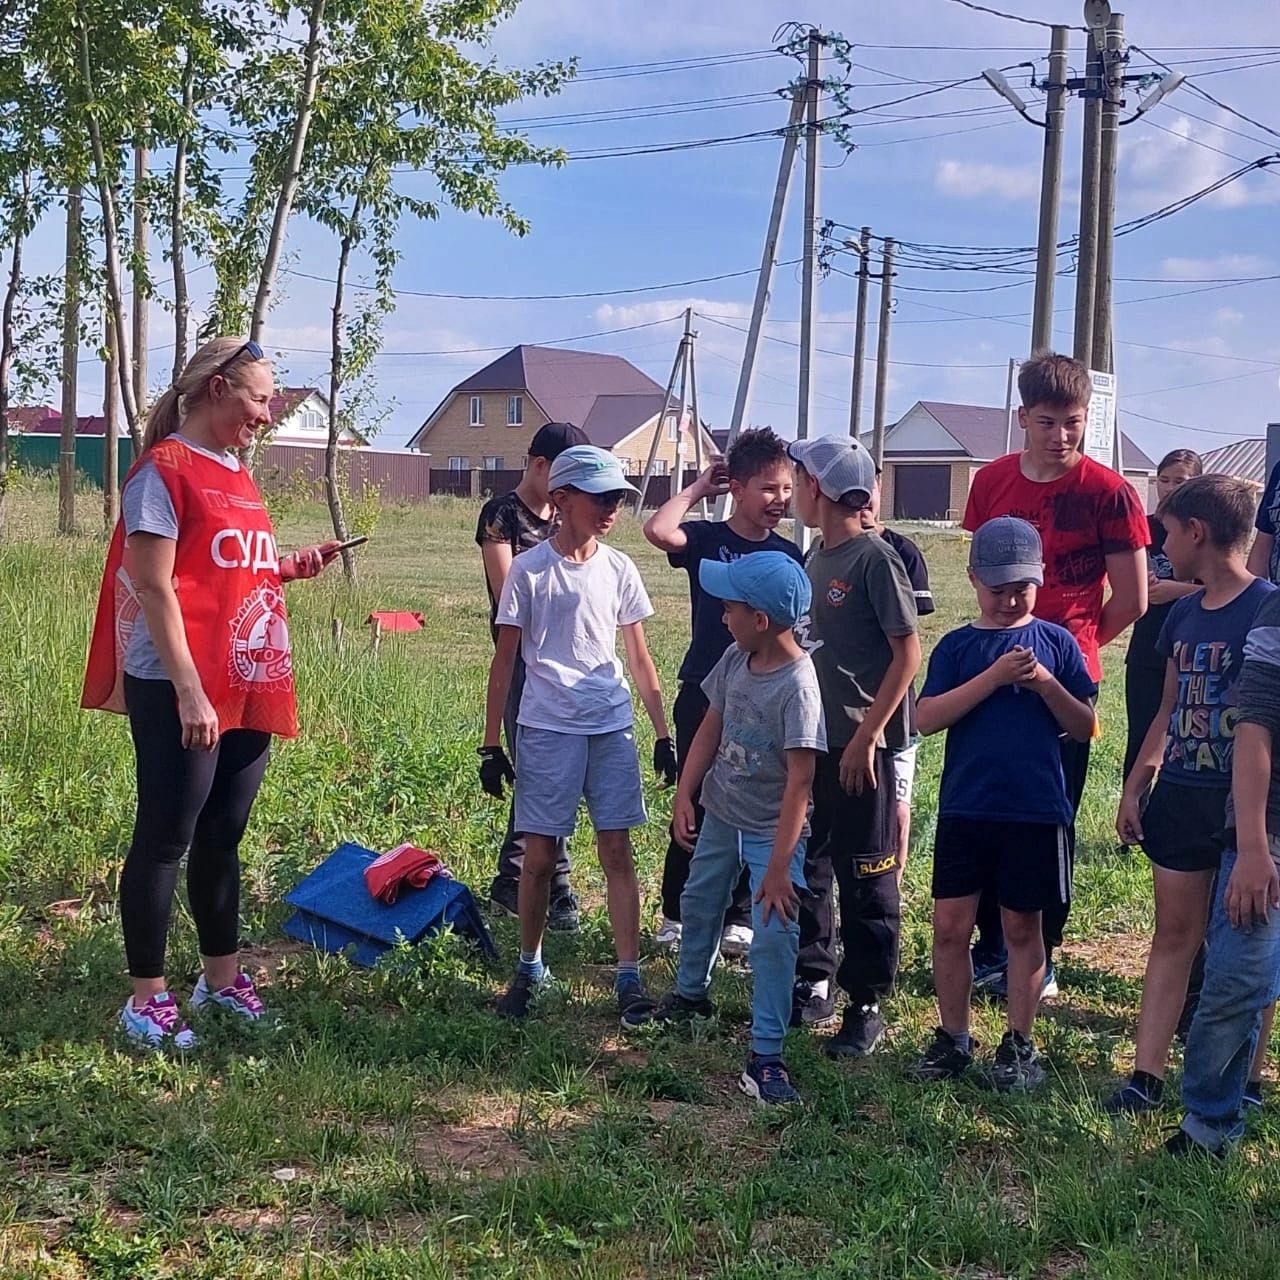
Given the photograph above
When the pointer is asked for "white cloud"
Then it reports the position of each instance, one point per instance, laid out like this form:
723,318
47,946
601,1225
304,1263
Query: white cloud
973,178
1222,266
1228,316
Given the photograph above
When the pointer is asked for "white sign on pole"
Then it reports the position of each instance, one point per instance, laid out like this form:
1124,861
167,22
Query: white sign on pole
1100,432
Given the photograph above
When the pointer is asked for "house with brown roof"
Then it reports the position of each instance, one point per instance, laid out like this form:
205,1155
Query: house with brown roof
933,451
1244,459
300,415
488,419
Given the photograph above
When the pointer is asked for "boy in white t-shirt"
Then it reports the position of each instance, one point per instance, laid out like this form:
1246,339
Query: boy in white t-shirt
561,607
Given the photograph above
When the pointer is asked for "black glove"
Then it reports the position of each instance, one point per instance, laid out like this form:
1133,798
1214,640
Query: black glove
664,761
495,769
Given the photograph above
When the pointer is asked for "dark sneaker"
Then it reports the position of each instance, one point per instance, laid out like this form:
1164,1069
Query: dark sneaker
673,1007
998,987
504,897
1017,1068
635,1009
859,1034
562,915
943,1059
514,1003
1132,1100
809,1008
986,970
1182,1145
766,1080
1252,1099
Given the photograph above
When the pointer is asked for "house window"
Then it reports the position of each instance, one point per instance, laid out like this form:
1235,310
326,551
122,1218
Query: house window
492,462
515,411
673,427
459,464
477,411
659,467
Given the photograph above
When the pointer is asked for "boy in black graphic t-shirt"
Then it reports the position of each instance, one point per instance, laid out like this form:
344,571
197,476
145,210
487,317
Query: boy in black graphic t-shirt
756,473
509,524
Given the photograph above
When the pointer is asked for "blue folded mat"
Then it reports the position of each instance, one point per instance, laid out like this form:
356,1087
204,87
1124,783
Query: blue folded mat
335,910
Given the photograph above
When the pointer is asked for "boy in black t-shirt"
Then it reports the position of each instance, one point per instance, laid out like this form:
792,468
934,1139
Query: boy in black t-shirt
904,761
509,524
757,474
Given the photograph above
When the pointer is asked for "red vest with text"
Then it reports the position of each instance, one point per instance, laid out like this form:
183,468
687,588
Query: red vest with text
226,573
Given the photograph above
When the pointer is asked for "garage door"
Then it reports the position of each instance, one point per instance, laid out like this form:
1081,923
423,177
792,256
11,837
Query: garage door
921,491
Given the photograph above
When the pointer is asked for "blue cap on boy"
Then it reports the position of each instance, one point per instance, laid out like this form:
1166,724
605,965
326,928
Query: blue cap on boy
766,580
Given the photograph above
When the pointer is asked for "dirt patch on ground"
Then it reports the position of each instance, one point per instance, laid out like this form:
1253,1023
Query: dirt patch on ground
472,1150
1122,954
262,963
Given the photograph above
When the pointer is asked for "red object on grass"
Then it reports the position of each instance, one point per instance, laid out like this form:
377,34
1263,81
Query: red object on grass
396,621
406,863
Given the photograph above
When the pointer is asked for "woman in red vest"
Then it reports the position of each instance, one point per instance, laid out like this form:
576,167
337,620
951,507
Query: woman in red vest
191,641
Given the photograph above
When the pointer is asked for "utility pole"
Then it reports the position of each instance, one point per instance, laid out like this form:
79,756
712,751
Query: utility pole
678,367
697,420
768,257
882,352
860,332
110,431
1113,64
1050,192
70,352
809,282
1008,404
140,233
1087,253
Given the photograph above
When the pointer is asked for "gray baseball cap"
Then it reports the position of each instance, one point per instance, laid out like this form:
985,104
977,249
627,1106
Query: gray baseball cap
592,470
839,464
1007,550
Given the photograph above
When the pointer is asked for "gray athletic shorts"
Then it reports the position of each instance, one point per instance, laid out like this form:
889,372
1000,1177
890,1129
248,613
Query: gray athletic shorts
559,770
904,771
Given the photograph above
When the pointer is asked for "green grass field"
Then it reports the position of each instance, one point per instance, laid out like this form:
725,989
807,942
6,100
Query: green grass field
390,1126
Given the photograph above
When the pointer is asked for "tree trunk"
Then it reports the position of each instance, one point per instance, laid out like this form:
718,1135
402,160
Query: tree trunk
7,343
70,353
181,299
110,236
140,276
110,435
332,488
293,171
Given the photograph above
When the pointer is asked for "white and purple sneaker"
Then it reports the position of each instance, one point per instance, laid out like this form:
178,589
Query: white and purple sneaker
240,997
156,1021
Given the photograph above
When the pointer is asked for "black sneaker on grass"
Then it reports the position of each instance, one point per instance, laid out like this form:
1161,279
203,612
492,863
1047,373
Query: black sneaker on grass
943,1059
1252,1099
562,915
1017,1068
673,1007
859,1034
809,1008
766,1080
504,896
514,1003
1136,1098
1183,1145
635,1008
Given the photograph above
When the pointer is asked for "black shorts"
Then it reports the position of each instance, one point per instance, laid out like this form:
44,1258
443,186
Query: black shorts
1025,864
1182,826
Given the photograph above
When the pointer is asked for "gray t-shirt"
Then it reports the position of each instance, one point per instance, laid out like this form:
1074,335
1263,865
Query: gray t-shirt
861,596
1257,697
765,715
146,507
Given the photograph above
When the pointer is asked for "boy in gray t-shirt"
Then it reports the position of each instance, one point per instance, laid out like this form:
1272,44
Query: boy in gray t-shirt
754,757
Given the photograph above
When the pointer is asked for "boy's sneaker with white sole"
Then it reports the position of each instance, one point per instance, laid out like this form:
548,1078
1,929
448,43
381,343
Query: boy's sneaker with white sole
767,1081
240,998
735,941
155,1022
668,934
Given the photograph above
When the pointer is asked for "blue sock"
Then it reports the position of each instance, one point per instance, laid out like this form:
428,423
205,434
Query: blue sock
628,975
531,964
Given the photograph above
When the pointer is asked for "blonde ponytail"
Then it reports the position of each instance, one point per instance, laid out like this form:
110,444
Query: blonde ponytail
169,412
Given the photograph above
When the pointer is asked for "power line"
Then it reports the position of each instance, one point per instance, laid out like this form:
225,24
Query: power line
1009,17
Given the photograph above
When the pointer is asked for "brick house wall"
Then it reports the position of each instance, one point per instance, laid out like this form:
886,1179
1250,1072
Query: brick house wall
453,436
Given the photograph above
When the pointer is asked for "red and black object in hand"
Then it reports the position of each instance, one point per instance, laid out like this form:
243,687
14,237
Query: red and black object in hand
495,769
664,761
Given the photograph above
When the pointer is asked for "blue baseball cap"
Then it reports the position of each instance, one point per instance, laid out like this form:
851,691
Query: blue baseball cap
592,470
1007,550
766,580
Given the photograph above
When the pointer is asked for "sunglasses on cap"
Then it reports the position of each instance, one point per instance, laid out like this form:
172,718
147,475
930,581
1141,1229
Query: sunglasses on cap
250,348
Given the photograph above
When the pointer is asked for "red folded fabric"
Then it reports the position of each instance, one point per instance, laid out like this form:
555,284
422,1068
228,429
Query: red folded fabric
406,863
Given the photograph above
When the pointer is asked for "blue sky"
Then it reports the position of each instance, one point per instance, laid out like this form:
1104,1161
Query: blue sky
1210,360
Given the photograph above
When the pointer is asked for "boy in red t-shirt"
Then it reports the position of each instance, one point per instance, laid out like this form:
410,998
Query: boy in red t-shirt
1094,529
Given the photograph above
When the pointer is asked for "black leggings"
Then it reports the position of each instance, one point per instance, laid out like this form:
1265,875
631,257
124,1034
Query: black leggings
186,799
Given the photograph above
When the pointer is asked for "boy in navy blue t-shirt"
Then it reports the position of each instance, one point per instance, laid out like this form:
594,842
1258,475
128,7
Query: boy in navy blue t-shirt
1005,686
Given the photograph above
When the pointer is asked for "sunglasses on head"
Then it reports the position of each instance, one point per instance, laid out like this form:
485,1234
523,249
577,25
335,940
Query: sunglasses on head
250,348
